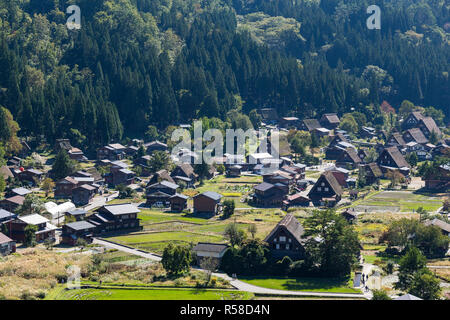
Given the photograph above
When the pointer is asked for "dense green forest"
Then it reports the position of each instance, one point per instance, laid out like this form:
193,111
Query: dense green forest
136,63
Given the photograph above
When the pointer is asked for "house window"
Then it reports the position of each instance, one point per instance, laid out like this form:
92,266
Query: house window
290,240
326,189
319,189
277,246
287,246
323,184
282,239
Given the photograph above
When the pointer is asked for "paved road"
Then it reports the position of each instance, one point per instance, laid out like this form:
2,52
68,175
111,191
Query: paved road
127,249
239,285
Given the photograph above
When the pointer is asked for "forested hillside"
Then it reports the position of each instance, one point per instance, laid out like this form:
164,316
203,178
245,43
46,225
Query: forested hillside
136,63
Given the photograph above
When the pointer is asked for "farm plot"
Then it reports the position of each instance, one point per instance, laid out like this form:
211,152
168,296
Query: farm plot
398,202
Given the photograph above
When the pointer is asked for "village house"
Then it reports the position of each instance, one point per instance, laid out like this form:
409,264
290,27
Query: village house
350,215
309,125
6,216
184,170
32,176
258,158
427,125
160,193
341,175
83,194
330,121
336,149
444,226
269,195
62,144
363,153
178,202
395,140
76,214
6,173
439,181
64,187
14,162
45,230
326,191
414,135
296,200
286,239
7,245
115,218
19,192
73,231
11,204
372,173
208,202
234,171
289,122
119,174
210,250
77,154
112,152
144,163
348,159
412,120
321,132
269,115
279,176
155,146
160,175
441,149
392,159
367,132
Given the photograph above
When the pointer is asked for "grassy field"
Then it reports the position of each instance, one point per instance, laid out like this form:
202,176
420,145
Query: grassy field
398,201
109,293
303,284
157,241
160,228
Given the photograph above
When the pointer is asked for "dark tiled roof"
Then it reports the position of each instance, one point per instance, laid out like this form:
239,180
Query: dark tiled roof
187,169
398,138
264,186
416,134
291,224
374,169
331,117
211,194
118,209
397,157
311,124
4,239
210,247
440,224
6,214
16,199
5,172
334,184
80,225
429,123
